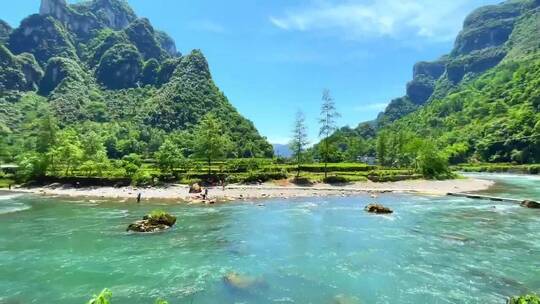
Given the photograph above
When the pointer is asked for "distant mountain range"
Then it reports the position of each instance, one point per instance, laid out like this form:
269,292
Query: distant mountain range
282,150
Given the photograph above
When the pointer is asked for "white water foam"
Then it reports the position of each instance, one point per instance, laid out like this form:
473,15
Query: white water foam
12,208
9,197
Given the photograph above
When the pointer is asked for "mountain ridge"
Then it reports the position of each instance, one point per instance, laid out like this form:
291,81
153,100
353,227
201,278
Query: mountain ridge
119,61
479,103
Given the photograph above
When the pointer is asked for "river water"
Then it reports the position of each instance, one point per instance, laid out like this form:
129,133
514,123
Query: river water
309,250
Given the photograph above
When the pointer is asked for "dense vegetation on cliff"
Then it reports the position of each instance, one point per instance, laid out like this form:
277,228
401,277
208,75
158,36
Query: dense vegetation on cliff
95,70
479,103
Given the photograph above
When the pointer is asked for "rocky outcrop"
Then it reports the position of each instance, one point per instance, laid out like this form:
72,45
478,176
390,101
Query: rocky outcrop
88,16
433,70
80,23
116,14
120,67
21,72
474,63
142,35
56,8
44,37
167,43
378,209
5,30
155,222
489,35
59,69
488,26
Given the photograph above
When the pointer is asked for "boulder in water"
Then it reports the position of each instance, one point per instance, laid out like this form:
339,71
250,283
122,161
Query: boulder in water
242,282
378,209
195,188
530,204
344,299
154,222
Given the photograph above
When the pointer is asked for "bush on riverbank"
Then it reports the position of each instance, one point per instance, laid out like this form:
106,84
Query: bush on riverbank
527,299
106,295
499,168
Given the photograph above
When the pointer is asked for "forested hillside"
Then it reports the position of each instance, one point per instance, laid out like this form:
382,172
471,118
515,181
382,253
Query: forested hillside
96,70
479,103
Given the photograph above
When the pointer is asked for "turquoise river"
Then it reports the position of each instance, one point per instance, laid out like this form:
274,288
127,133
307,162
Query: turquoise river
305,250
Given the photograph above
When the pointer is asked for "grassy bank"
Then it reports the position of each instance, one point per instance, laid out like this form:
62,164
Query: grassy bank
243,171
5,182
499,168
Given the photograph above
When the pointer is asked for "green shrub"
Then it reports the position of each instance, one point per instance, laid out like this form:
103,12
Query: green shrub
142,178
534,169
337,167
527,299
263,177
302,181
103,298
336,180
106,295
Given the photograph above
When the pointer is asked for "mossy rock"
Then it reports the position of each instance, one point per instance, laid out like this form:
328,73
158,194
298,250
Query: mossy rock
160,218
156,221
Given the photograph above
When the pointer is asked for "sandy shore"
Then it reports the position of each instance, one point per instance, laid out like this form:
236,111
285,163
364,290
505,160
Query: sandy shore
280,189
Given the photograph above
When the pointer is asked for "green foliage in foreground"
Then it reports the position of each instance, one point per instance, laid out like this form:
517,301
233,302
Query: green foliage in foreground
106,295
527,299
103,298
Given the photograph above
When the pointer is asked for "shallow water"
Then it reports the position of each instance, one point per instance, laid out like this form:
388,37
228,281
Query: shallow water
431,250
518,186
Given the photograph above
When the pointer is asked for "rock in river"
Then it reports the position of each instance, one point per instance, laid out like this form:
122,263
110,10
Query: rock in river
153,222
530,204
378,209
344,299
242,282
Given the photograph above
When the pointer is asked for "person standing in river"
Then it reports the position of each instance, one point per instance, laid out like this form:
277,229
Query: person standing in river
139,198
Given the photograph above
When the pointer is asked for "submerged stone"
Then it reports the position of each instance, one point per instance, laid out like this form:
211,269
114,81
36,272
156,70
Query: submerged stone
242,282
530,204
344,299
378,209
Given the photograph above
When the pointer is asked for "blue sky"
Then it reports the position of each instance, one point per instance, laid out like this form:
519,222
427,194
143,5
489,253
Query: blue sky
274,57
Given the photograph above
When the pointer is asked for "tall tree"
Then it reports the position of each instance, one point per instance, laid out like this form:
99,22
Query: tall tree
210,141
299,140
329,115
382,149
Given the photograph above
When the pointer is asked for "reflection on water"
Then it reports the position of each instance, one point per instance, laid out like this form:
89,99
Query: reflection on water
325,250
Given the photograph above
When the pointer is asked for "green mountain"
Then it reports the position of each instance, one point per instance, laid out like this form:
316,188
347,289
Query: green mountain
96,65
481,101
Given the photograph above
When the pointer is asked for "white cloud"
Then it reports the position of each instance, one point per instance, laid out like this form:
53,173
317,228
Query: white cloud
357,19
